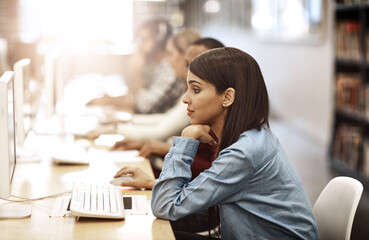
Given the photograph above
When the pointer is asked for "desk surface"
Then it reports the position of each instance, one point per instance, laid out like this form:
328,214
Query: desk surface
34,180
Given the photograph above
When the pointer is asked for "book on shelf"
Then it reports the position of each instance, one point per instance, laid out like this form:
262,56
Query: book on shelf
366,157
350,2
348,40
351,94
348,146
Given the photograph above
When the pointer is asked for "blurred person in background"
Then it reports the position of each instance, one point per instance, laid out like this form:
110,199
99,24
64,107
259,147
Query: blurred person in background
152,81
164,125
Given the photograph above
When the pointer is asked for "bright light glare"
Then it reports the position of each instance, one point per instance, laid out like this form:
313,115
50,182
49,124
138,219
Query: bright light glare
261,21
289,18
263,14
295,19
212,6
78,23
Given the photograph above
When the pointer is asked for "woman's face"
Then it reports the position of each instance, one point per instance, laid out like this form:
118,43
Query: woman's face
204,104
145,42
176,59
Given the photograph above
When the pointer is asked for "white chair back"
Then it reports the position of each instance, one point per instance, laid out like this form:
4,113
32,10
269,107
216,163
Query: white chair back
336,206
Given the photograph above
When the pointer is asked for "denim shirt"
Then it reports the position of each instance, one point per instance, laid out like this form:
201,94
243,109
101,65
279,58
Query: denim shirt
260,195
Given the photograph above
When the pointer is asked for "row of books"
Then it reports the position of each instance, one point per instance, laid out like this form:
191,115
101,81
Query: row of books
352,147
352,1
348,40
352,95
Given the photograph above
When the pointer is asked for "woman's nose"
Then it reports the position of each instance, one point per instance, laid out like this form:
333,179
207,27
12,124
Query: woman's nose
185,98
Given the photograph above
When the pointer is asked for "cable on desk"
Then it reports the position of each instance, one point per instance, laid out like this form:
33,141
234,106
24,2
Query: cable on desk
23,199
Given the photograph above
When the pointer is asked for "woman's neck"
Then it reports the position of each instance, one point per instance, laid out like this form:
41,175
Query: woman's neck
217,129
218,125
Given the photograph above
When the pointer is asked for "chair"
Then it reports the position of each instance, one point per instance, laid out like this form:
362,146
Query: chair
336,206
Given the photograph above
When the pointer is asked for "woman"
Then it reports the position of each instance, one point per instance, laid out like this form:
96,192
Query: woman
259,194
152,81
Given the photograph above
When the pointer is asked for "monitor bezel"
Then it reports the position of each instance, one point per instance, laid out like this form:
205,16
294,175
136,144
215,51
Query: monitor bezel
6,173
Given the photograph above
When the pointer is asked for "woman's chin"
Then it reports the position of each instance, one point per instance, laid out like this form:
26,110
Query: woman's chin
194,122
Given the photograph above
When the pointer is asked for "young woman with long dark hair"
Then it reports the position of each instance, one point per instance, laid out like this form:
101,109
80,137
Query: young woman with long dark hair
257,191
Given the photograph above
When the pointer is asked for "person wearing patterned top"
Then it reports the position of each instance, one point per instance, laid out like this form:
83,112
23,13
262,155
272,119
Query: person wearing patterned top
153,87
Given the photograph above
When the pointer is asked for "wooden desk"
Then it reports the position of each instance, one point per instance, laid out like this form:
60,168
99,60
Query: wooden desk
44,178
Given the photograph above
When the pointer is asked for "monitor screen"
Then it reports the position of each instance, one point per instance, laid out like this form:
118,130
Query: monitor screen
23,120
8,148
7,133
50,92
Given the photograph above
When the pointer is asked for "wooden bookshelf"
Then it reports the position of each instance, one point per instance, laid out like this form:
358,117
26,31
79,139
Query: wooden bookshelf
349,151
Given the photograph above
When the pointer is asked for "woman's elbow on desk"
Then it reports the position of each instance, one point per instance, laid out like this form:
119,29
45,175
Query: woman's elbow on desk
162,207
164,213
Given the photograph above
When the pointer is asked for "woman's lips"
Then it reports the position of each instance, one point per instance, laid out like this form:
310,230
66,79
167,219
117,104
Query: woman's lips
189,112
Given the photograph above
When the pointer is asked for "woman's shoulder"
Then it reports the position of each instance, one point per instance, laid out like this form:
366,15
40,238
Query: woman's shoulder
256,141
257,135
257,146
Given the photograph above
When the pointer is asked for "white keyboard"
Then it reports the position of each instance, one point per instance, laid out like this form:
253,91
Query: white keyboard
97,200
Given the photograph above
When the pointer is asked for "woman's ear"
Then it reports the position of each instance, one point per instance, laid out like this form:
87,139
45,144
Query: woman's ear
229,95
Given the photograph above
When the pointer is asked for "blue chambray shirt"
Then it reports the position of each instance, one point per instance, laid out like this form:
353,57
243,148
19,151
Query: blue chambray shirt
260,195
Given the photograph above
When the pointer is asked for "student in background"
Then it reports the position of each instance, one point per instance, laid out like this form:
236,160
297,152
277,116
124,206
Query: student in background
152,81
257,191
175,52
164,125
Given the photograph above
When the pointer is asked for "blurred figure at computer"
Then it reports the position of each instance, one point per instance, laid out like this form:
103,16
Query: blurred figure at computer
164,125
152,82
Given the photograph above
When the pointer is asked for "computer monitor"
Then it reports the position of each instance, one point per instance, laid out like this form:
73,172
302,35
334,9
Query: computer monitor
54,84
7,147
49,83
3,56
23,112
22,101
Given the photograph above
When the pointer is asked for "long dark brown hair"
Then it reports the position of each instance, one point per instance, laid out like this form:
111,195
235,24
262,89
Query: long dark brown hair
232,68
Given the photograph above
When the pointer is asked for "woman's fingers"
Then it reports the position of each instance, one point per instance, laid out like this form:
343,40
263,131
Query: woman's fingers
125,170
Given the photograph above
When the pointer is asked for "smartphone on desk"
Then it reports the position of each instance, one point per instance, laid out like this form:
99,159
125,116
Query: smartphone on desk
135,204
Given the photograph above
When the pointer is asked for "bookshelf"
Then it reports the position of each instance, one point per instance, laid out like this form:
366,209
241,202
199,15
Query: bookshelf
349,151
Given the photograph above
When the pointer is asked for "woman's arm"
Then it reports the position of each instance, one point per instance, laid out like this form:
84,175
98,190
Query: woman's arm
175,197
171,124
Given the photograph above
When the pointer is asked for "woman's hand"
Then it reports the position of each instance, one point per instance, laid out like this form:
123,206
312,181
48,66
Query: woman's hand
146,148
104,100
153,147
139,178
128,144
93,134
199,132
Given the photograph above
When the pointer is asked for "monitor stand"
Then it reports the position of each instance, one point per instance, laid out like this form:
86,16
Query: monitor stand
16,211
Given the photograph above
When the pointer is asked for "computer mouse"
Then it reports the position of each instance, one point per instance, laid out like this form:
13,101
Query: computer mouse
119,180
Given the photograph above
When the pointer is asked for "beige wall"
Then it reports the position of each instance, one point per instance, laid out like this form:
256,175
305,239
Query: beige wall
298,76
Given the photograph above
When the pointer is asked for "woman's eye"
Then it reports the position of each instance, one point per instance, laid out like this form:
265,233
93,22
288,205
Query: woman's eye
195,90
